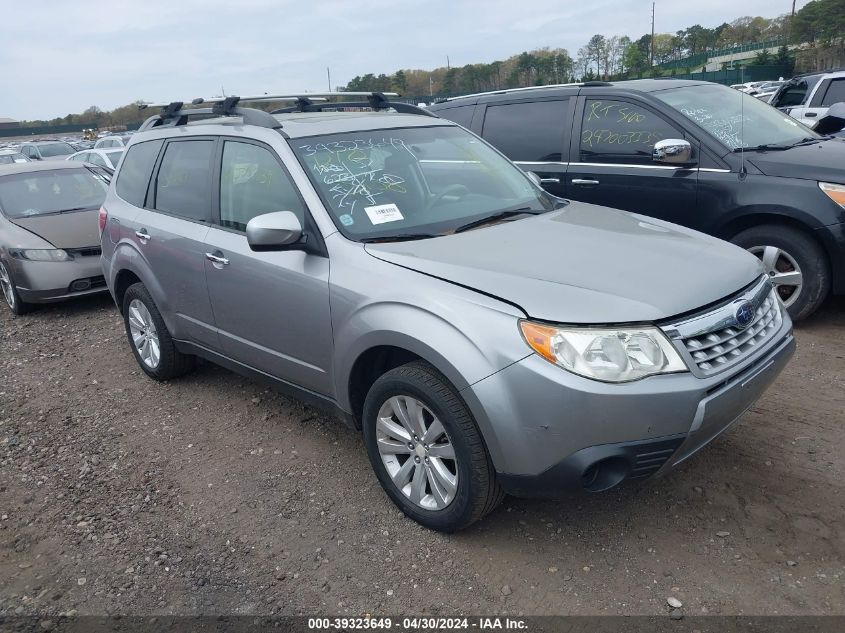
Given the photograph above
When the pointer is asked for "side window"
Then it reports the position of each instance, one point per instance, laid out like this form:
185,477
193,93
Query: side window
134,176
96,159
794,95
531,131
252,182
835,92
462,115
29,150
620,132
183,183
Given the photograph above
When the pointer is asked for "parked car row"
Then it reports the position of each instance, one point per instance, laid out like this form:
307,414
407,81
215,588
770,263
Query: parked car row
468,316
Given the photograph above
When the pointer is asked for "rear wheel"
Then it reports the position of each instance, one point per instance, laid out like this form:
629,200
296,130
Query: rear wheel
796,265
151,343
10,293
426,449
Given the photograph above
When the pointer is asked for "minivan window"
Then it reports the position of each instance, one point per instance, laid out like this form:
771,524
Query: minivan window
134,175
620,132
507,127
183,185
420,181
48,192
462,115
721,111
252,183
835,93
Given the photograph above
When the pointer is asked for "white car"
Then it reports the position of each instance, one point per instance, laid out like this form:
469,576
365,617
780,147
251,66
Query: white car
807,97
112,142
108,158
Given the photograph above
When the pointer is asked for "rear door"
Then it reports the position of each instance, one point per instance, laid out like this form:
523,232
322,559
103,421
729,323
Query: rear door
611,160
170,233
272,307
534,134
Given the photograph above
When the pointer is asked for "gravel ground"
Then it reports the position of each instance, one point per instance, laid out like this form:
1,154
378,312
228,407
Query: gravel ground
212,495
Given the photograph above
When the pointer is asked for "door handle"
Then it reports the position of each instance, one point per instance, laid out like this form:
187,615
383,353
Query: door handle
810,115
587,182
549,180
143,236
217,259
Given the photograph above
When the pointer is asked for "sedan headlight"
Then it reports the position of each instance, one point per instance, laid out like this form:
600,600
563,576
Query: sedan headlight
42,254
606,354
834,192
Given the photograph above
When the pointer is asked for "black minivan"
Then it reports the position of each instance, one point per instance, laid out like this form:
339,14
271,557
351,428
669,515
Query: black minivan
695,153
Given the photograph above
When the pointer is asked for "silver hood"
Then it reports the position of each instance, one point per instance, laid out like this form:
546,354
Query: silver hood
74,229
584,264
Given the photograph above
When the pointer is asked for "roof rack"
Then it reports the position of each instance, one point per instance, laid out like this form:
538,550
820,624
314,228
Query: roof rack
174,113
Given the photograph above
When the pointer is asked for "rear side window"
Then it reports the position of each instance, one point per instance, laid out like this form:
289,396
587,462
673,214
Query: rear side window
252,183
835,92
134,176
461,115
183,184
527,131
620,132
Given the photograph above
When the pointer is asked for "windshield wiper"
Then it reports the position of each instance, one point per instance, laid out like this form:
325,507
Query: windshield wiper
72,209
498,216
402,237
809,141
762,148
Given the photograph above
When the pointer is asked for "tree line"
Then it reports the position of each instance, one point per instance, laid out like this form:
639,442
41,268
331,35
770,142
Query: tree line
821,23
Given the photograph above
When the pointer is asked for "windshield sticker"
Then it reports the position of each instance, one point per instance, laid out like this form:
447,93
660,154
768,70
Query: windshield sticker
383,213
346,220
358,171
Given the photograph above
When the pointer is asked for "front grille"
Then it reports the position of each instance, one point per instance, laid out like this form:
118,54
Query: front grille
90,251
714,341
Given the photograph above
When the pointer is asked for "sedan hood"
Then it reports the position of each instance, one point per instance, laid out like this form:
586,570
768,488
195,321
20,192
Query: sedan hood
584,264
823,161
75,229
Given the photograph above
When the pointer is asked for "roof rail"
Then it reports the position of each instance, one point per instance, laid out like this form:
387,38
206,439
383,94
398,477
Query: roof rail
174,113
375,101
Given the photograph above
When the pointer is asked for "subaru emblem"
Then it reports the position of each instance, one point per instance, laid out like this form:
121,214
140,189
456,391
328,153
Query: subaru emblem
744,314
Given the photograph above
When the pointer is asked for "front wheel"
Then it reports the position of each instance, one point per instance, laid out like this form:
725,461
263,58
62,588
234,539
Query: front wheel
796,265
10,293
426,449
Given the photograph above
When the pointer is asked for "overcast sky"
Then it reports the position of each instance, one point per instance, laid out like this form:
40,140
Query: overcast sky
62,56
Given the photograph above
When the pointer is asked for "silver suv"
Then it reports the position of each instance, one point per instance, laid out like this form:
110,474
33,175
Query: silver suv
398,271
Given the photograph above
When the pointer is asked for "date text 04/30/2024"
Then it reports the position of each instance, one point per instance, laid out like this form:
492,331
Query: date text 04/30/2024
412,623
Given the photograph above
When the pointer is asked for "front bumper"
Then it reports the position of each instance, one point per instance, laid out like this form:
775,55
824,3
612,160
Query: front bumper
551,431
45,282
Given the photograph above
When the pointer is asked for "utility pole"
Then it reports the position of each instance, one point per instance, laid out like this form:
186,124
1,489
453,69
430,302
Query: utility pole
448,67
329,75
651,57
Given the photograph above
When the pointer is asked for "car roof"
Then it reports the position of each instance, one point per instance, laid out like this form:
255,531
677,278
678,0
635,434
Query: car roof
305,124
45,141
638,85
34,166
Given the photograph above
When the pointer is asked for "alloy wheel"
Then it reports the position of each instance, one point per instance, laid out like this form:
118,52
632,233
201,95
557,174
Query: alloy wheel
417,452
6,285
783,272
144,334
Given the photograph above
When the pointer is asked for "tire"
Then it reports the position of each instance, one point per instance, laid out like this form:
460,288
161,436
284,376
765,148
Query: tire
796,250
10,292
170,362
476,492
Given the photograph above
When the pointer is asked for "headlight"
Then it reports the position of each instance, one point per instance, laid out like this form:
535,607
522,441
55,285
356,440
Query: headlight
607,354
42,255
834,192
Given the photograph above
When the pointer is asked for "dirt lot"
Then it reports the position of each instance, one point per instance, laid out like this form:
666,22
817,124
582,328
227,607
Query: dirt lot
211,494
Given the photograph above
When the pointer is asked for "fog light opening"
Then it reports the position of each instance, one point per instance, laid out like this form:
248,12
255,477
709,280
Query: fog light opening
605,474
80,284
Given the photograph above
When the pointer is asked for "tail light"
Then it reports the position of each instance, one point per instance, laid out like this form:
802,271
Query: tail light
101,219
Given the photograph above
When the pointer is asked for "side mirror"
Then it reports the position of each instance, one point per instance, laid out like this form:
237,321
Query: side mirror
673,151
833,120
273,231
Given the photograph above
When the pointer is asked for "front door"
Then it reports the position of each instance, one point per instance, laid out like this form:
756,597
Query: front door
271,308
612,162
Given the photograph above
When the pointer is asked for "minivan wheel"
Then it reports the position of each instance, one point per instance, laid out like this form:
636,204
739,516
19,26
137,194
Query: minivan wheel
10,293
796,265
426,449
149,338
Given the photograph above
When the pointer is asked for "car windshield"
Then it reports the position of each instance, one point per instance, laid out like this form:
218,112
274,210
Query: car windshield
721,112
45,192
9,158
414,182
55,149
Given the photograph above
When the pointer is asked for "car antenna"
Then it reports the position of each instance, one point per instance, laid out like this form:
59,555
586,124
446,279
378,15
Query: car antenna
742,171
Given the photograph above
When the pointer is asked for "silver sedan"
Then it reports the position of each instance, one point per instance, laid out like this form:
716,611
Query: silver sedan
49,238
